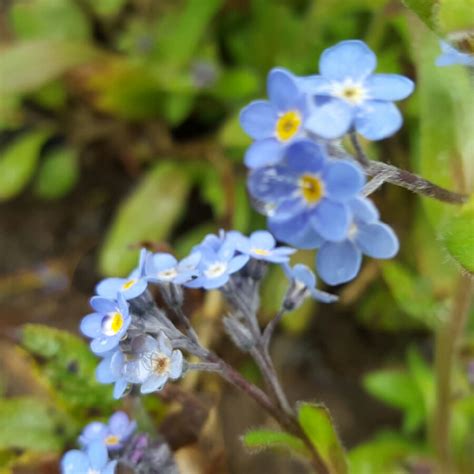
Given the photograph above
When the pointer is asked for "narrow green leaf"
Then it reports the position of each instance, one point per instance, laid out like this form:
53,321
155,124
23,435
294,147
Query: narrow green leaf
425,9
68,366
269,439
49,19
387,453
28,423
28,65
398,389
318,427
149,213
458,236
181,31
58,173
18,163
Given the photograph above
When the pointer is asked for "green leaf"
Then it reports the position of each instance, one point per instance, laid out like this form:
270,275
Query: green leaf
18,163
318,427
28,423
49,19
455,15
411,292
149,213
423,378
398,389
68,366
269,439
58,173
107,7
387,453
28,65
458,236
181,30
425,9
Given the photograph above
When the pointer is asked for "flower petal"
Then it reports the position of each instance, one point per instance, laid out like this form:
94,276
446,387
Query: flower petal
331,220
103,372
74,461
154,383
338,262
262,239
176,365
271,184
305,155
389,87
377,120
118,422
363,209
236,263
91,325
109,287
119,388
314,84
103,305
296,231
104,343
263,153
377,240
352,58
331,120
98,455
258,119
343,180
282,90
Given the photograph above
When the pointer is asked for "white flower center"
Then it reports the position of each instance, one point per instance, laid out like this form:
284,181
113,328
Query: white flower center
352,92
92,471
160,363
215,270
168,274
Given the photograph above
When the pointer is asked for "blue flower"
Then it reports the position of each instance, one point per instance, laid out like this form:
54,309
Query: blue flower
218,261
108,324
339,262
113,434
261,245
305,280
131,287
154,363
451,56
307,194
274,123
347,95
164,268
95,460
110,370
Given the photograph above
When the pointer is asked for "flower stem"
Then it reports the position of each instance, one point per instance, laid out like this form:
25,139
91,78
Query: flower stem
391,174
447,339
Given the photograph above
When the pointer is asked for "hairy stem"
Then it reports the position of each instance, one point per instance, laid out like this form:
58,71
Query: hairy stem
268,331
384,172
447,339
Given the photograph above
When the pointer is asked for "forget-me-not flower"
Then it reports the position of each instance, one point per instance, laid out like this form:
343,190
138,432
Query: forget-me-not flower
110,370
261,245
274,123
164,268
308,192
155,362
113,434
94,460
347,95
131,287
305,281
219,260
339,262
450,56
108,324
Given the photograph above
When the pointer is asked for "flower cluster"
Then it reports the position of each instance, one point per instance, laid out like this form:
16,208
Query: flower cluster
312,197
136,340
99,442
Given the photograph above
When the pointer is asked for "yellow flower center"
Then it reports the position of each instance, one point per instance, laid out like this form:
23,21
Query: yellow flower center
288,125
262,252
128,284
161,364
112,440
312,188
112,324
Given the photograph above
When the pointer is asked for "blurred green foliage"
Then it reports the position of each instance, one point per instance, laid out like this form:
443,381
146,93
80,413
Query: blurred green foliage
169,79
